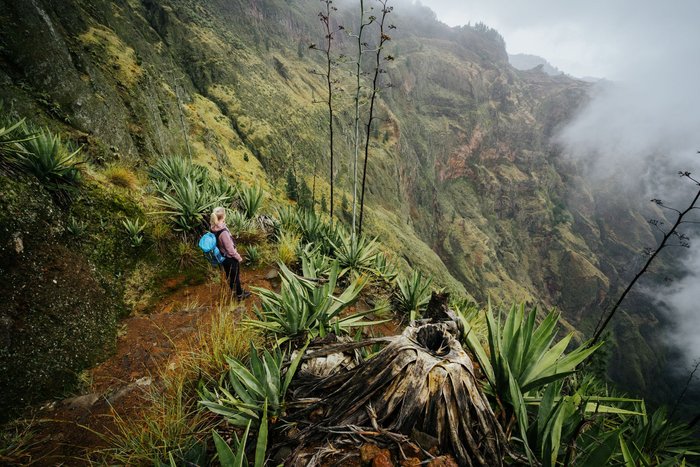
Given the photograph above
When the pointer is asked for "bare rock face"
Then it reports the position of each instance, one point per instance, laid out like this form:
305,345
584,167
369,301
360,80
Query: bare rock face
421,382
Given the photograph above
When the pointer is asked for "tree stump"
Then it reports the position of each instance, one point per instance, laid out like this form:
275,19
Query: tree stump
422,384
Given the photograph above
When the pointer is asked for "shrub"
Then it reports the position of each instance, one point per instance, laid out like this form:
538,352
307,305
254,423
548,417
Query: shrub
383,268
354,253
311,226
252,255
76,227
186,254
221,188
521,358
11,137
251,393
471,314
286,220
314,264
237,222
121,176
174,170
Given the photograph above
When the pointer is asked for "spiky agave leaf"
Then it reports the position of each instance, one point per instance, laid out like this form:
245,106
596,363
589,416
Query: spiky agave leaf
521,358
46,156
250,198
412,294
356,253
308,306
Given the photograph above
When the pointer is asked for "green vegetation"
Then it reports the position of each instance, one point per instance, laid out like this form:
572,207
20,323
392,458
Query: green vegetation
43,154
250,199
134,228
252,394
187,204
412,294
521,357
306,306
355,253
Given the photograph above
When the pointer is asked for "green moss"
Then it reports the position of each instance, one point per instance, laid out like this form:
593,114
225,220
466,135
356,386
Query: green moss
57,317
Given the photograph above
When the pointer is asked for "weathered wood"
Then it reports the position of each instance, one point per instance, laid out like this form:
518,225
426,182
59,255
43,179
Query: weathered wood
421,382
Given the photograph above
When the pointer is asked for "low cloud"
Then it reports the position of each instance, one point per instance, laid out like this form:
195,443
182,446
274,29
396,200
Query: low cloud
680,302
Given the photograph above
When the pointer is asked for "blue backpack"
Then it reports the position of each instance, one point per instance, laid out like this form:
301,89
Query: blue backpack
208,245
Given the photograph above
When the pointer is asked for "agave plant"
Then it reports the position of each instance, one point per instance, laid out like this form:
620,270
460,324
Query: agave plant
355,253
174,170
251,199
11,137
134,228
49,159
229,458
467,311
221,188
383,268
564,408
252,255
285,220
237,222
655,440
306,307
521,358
314,264
187,204
76,227
313,228
412,294
252,393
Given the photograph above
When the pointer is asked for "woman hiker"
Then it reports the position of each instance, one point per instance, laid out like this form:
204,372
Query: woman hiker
227,247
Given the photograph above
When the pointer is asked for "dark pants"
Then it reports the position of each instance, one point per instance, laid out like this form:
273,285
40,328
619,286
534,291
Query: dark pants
233,274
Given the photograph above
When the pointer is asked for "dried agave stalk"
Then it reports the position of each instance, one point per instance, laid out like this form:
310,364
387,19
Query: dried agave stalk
422,381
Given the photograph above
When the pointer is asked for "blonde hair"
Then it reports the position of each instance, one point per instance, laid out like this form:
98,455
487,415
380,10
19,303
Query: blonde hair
217,215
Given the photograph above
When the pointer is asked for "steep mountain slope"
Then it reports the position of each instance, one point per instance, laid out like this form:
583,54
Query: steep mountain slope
464,182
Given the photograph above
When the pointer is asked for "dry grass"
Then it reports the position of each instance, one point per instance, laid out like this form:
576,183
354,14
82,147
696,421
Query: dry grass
288,247
225,337
121,176
16,441
172,423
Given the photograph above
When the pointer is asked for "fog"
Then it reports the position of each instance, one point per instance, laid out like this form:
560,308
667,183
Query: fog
679,301
642,124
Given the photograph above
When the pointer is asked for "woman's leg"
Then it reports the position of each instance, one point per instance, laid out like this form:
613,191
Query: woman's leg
235,278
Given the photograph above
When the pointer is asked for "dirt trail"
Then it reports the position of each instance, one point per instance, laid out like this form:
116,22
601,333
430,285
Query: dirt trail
65,430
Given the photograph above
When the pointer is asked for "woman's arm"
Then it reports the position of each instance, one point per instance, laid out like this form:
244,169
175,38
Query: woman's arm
228,246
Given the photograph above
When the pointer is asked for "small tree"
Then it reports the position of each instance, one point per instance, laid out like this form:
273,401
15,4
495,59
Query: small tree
305,197
292,187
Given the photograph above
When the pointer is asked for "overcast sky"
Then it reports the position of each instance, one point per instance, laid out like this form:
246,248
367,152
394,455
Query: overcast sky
602,38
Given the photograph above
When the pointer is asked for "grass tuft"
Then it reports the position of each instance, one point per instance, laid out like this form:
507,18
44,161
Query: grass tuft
121,176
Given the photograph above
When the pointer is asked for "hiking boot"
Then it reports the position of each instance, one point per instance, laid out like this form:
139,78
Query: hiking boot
244,295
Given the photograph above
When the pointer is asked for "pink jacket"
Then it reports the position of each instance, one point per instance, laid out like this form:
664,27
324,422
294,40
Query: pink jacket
225,243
